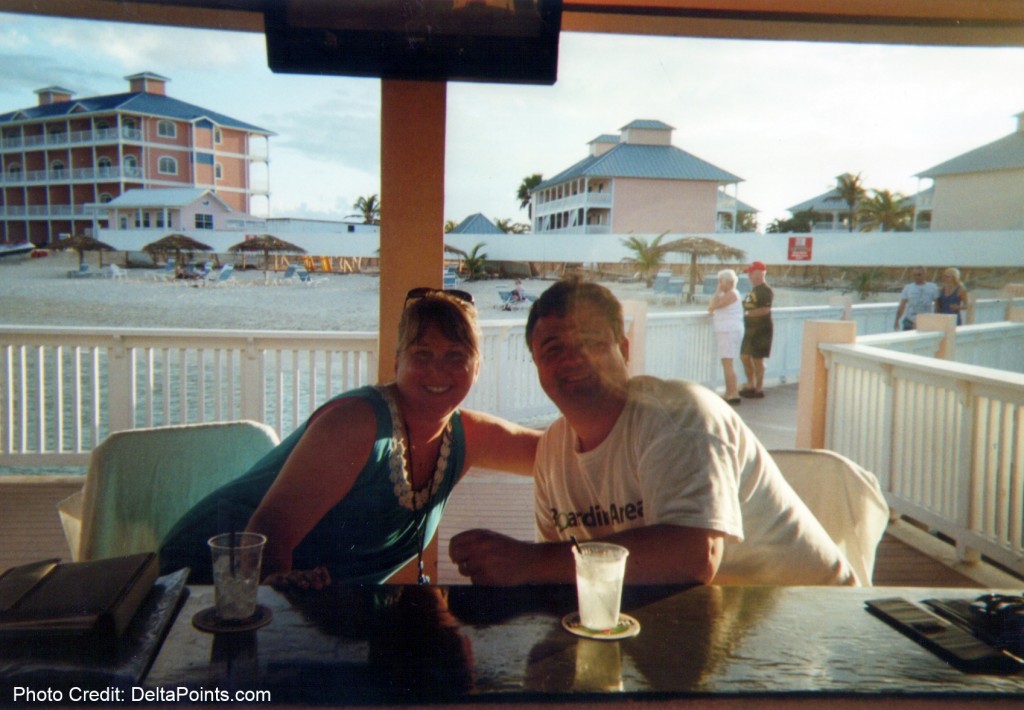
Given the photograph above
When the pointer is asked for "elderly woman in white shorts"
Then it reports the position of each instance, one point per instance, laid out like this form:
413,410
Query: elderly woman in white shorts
726,311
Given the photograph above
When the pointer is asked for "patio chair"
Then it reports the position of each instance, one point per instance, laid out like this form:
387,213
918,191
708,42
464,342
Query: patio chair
141,481
116,272
307,278
845,498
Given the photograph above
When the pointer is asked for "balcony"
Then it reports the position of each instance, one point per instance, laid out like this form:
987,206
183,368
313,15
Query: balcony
75,138
45,177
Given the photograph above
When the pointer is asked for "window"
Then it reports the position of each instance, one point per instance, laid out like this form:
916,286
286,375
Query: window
218,171
103,166
105,197
14,169
217,136
166,129
131,165
204,221
57,168
167,166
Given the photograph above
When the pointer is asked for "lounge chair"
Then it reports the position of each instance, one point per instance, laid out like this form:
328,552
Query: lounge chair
82,272
451,278
167,273
219,278
307,278
288,275
508,303
116,272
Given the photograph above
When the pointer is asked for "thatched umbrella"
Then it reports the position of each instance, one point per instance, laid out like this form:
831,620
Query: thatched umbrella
177,243
702,247
83,243
266,243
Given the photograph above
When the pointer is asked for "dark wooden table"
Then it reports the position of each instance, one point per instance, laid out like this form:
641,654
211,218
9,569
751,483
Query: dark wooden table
365,645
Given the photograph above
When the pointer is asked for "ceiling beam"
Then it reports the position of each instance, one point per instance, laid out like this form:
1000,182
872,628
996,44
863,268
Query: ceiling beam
938,22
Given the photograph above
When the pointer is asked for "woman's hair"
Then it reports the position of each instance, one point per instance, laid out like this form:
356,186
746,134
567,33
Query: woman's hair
453,317
729,275
563,296
955,273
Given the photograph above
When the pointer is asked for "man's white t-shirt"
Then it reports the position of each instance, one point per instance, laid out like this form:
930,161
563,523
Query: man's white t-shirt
679,455
920,298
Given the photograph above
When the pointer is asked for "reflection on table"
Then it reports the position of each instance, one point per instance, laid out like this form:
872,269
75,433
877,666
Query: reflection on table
409,643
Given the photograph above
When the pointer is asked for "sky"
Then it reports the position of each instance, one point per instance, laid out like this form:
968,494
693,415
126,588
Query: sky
786,117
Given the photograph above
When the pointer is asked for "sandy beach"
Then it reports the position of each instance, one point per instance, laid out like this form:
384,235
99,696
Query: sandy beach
39,292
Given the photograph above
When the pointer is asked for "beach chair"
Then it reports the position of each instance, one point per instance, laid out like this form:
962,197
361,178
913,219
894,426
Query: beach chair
116,272
288,275
166,273
451,278
306,278
82,272
508,303
141,481
660,286
221,277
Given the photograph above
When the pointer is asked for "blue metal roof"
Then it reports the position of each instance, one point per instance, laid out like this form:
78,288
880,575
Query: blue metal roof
648,124
656,162
829,201
476,224
1007,153
142,103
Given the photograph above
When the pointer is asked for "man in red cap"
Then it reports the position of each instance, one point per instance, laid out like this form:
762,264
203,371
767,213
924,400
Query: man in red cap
758,333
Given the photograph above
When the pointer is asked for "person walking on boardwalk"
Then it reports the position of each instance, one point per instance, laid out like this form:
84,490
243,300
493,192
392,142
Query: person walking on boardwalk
917,297
757,331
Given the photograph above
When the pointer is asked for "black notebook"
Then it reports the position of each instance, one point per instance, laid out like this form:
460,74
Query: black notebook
96,598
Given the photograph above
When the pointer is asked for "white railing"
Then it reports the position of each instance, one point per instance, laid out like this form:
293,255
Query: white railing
63,390
945,438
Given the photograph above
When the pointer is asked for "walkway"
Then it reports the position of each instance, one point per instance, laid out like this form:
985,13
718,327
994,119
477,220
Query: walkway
906,556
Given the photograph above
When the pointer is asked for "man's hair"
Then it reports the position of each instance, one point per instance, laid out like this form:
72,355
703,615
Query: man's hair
563,296
454,318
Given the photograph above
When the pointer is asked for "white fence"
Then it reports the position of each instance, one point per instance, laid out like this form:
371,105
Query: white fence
63,390
945,438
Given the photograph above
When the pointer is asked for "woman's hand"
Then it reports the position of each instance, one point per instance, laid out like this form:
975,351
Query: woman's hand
316,578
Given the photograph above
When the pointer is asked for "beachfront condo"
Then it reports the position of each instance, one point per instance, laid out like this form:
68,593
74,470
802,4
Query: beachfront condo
637,181
65,157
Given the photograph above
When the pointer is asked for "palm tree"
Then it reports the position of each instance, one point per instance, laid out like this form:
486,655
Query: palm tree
510,227
369,207
648,256
851,190
525,188
886,211
474,262
449,225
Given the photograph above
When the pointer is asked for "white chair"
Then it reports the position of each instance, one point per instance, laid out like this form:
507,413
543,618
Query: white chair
116,272
141,481
845,498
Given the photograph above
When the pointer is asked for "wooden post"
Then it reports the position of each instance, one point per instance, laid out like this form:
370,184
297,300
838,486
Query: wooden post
412,142
635,313
812,394
944,323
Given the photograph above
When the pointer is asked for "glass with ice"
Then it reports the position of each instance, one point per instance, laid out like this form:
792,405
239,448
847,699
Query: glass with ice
600,568
236,573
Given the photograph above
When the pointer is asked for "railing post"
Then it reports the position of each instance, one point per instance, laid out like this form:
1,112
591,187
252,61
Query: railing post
251,398
940,323
635,313
120,381
812,394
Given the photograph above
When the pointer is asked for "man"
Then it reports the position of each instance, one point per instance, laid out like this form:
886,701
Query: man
758,331
665,468
917,297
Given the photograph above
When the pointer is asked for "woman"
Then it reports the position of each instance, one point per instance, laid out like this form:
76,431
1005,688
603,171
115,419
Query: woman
358,490
952,296
726,310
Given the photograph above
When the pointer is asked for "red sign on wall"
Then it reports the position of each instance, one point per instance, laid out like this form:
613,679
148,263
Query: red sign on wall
800,248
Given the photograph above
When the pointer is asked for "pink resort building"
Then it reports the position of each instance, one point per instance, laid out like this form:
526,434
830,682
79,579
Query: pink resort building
63,158
637,181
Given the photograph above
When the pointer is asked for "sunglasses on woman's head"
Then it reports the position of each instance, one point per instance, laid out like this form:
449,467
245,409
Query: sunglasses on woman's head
424,291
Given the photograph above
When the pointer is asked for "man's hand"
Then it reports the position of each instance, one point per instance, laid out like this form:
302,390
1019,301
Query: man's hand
487,557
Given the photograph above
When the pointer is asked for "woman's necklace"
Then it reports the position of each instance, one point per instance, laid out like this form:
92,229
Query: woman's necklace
402,477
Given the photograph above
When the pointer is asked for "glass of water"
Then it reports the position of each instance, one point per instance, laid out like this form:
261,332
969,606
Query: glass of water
237,558
600,569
